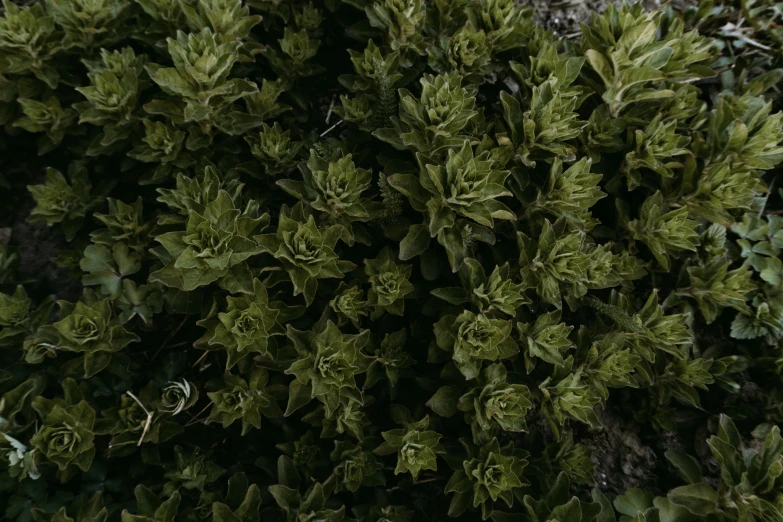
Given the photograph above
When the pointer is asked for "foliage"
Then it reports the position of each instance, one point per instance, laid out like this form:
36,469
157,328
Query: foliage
390,261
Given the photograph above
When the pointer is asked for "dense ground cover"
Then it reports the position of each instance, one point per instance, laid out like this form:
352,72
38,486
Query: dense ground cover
390,260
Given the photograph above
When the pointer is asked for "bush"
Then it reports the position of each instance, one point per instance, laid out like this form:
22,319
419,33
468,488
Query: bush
391,260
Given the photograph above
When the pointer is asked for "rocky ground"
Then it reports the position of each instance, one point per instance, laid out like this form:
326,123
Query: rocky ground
564,16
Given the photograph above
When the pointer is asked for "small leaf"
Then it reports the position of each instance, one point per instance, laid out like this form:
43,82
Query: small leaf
700,499
686,466
444,402
415,243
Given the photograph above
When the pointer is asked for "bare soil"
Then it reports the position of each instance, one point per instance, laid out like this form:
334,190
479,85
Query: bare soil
36,244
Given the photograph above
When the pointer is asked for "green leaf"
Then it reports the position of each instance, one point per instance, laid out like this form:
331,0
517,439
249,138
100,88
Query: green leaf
686,465
415,242
444,402
699,498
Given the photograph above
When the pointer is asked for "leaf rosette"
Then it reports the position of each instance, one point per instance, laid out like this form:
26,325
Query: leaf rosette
326,368
305,251
416,446
434,120
90,328
245,400
388,283
66,434
247,326
213,247
495,402
473,338
493,473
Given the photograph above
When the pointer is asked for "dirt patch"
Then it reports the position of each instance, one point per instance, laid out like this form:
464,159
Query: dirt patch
622,460
36,244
